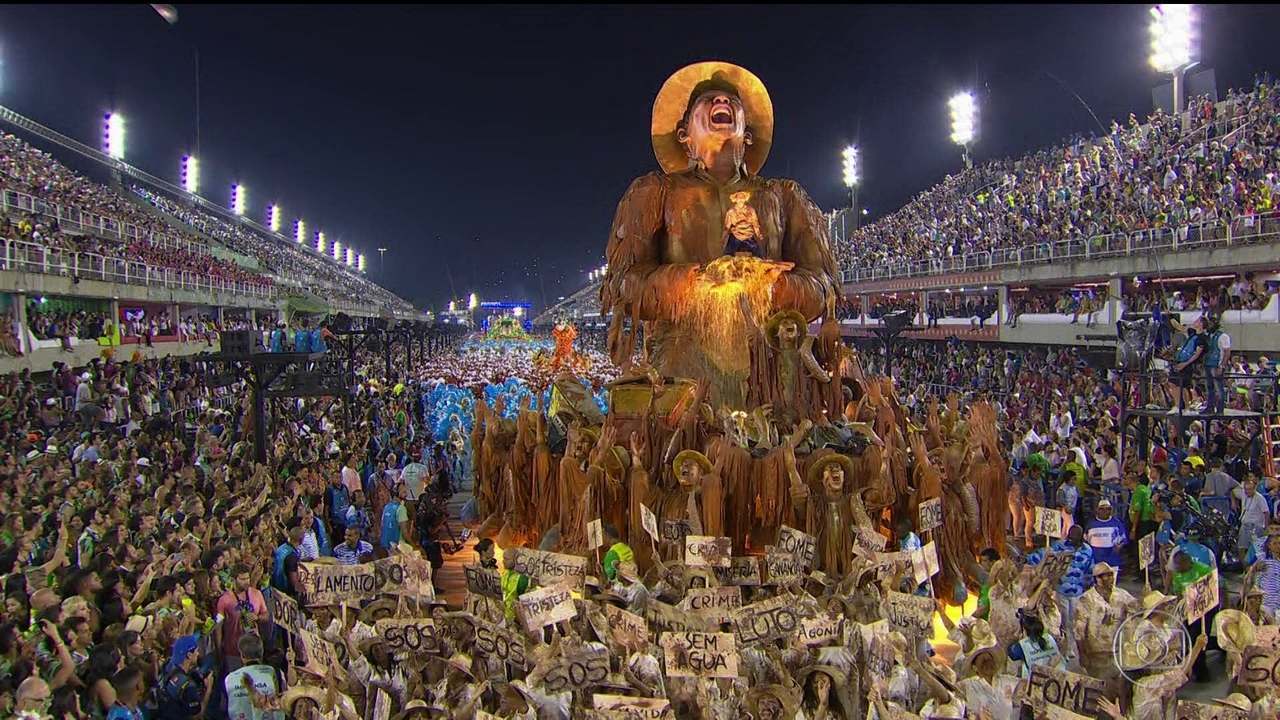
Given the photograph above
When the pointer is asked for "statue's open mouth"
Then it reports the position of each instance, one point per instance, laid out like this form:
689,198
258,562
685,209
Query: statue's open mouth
721,115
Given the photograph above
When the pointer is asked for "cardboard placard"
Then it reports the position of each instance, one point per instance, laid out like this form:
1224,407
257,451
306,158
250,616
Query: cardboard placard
1054,566
483,608
628,629
924,562
573,671
669,618
742,571
483,581
880,659
697,654
410,635
1146,551
1191,710
1267,636
770,619
320,654
801,545
1049,522
1076,693
551,569
1260,666
1201,596
782,568
912,615
337,584
632,708
674,531
649,521
495,641
716,603
285,611
821,630
545,606
930,514
867,540
707,551
595,534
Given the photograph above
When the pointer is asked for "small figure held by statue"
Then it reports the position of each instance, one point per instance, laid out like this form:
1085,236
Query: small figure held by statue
742,233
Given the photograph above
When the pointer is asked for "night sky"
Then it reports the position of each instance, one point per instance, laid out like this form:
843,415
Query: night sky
487,147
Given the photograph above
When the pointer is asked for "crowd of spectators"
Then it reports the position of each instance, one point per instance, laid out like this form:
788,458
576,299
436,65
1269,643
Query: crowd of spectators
1220,165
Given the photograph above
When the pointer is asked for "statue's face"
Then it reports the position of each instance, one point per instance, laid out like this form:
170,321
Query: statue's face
690,473
788,330
833,478
770,709
715,116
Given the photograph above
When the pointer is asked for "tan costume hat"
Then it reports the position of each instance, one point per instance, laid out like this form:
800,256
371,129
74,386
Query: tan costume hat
693,455
1234,630
776,319
814,473
681,88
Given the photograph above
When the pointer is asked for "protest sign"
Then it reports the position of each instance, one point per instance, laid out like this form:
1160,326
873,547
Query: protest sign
595,534
715,603
1260,666
912,615
782,568
1077,693
707,551
324,584
545,606
1191,710
550,569
1146,550
632,708
697,654
649,521
930,514
1267,636
410,635
1201,596
767,620
674,531
484,608
867,540
285,611
669,618
483,581
1055,566
627,628
495,641
575,670
741,571
924,562
1049,522
880,658
801,545
821,630
320,654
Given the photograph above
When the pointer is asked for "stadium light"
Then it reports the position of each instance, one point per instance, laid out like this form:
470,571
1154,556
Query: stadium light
852,178
473,302
299,231
518,312
351,257
113,135
1173,44
337,250
273,217
360,263
453,306
190,173
322,245
964,122
238,193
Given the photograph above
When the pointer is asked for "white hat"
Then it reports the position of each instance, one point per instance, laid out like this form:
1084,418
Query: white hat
144,462
51,401
85,376
1104,503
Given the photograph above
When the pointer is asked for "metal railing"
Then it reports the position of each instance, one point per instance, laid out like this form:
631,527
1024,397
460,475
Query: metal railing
1248,229
74,219
21,256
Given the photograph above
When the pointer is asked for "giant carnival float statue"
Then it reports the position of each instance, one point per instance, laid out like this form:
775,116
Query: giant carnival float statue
731,418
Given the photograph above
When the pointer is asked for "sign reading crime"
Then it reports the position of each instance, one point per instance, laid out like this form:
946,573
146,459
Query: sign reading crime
1146,550
697,654
497,642
767,620
741,571
716,603
545,606
410,635
622,706
628,629
707,551
483,581
930,514
550,569
1191,710
912,615
1049,522
1201,596
1077,693
801,545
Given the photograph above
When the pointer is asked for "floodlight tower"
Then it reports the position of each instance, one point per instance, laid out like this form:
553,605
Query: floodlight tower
852,178
964,122
238,197
113,135
273,218
299,231
1173,45
190,173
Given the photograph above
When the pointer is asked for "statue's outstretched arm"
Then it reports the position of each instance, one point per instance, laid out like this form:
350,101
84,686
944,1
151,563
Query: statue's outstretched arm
806,286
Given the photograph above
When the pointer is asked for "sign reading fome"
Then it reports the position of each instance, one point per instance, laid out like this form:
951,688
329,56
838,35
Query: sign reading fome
483,581
930,514
802,546
1077,693
698,654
